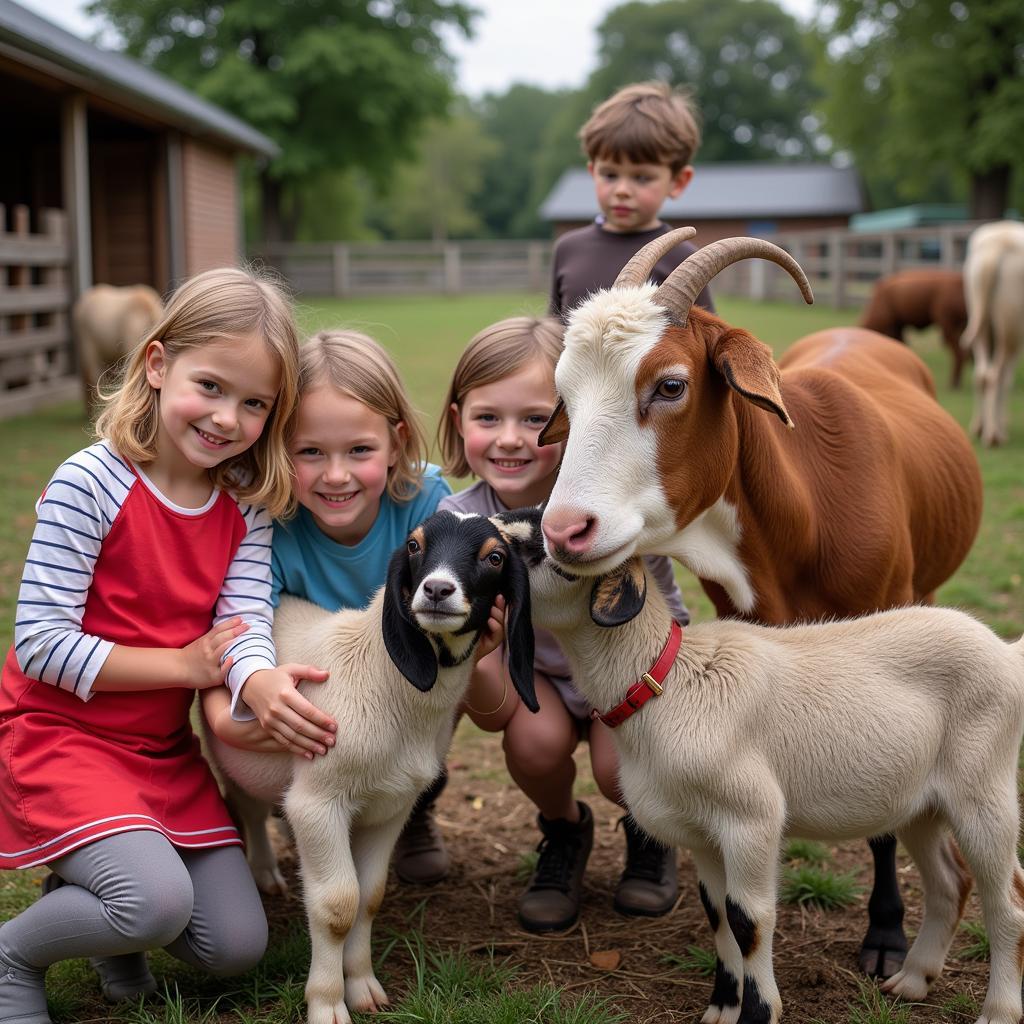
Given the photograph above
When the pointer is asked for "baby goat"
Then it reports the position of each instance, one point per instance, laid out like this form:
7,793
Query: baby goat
764,732
347,808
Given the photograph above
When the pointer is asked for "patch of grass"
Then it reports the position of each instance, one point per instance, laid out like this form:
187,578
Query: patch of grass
526,865
959,1007
977,948
873,1008
812,886
696,961
808,851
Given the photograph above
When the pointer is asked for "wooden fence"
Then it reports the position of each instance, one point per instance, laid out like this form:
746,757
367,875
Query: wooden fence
841,265
36,356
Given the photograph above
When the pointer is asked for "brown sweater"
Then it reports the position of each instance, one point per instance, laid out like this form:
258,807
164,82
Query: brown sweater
590,258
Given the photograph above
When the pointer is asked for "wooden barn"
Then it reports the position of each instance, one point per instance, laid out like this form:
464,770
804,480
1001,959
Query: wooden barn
731,199
113,173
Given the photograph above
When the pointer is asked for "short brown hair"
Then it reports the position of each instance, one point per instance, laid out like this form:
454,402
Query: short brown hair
495,353
354,364
646,123
227,302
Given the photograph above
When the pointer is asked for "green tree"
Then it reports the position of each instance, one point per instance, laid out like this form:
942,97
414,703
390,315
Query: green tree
436,196
748,63
336,83
925,93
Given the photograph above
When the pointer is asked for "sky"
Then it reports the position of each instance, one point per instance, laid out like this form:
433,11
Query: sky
549,43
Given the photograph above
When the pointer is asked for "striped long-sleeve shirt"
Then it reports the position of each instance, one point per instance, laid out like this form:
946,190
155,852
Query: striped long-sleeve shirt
78,514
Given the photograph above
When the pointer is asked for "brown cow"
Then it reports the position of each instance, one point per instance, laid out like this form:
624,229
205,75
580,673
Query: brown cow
871,502
920,298
108,323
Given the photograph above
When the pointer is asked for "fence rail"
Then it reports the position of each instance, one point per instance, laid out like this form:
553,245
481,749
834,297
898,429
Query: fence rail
36,354
841,265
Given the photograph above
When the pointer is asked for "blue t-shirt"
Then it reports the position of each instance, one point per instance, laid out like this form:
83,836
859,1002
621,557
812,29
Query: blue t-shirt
305,562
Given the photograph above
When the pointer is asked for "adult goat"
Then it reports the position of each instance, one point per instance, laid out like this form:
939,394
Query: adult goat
871,503
994,284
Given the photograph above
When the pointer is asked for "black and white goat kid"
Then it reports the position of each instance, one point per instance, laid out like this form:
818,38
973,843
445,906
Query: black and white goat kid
347,808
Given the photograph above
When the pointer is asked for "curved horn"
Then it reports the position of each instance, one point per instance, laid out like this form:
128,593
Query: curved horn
684,284
638,269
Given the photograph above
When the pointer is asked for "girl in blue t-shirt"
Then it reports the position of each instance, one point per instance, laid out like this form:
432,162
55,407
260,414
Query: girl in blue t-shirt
361,483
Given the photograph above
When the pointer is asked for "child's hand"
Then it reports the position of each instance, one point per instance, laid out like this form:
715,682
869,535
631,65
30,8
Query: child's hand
250,735
202,667
494,632
298,725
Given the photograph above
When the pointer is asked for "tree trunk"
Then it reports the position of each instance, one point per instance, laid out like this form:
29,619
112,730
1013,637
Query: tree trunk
271,196
990,192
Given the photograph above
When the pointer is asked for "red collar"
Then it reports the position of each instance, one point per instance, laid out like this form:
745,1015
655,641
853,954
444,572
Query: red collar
649,684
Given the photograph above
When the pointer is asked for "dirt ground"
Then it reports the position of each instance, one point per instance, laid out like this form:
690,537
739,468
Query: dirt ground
489,826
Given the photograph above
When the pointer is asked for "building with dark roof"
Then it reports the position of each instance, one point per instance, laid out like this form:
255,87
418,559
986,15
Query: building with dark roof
731,199
111,173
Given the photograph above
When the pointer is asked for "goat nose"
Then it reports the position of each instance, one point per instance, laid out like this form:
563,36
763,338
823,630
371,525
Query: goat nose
438,589
569,530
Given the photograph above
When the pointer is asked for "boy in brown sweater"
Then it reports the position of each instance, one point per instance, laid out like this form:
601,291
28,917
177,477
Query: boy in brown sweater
639,145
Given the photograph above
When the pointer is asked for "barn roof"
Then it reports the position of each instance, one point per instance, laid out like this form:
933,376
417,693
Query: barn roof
725,191
119,78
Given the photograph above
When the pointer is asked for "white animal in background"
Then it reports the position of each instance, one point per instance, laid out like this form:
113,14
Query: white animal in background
906,721
994,290
108,322
347,807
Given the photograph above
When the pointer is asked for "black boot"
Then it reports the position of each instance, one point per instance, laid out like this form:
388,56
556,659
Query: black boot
551,902
648,886
420,856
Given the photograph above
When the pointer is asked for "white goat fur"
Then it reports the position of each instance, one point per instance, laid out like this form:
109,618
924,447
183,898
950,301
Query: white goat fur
346,808
767,732
994,290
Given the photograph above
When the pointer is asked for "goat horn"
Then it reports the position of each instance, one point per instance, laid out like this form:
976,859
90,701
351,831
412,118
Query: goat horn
638,269
684,284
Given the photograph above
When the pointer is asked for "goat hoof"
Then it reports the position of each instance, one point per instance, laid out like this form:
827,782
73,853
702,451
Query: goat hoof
883,957
907,984
365,994
721,1014
319,1011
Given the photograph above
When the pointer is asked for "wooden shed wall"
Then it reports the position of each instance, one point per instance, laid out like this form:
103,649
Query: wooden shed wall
211,207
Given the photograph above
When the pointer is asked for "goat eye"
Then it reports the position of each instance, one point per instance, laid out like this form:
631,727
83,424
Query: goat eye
412,546
671,388
496,558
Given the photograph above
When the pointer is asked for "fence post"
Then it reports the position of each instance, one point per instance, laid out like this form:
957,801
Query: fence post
888,254
837,267
341,270
452,270
535,266
758,279
947,247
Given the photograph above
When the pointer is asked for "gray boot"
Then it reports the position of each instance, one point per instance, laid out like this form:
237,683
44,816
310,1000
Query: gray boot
22,993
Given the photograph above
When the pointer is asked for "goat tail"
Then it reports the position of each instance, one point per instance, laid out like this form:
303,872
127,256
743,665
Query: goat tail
979,286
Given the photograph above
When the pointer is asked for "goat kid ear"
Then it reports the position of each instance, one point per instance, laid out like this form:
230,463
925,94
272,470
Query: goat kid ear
556,430
749,369
408,648
619,595
519,630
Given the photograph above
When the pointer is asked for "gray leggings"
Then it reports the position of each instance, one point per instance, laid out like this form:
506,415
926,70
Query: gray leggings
136,891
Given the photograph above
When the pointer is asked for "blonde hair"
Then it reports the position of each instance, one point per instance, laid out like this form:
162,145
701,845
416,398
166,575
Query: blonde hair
224,303
354,364
646,123
495,353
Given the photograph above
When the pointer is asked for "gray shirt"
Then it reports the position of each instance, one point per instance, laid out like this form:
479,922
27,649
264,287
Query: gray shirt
548,656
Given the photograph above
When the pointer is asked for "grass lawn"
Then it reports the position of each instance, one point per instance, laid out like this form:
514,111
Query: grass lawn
426,335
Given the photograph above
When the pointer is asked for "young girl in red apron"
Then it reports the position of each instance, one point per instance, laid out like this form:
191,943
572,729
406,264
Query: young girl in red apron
147,578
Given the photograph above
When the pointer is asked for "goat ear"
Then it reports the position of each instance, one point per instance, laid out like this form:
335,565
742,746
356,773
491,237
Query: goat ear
556,430
619,595
408,648
519,630
749,369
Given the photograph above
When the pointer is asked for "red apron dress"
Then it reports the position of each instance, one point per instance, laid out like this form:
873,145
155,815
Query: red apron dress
75,771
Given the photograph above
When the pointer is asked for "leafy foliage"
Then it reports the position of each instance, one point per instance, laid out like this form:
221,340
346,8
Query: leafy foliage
928,93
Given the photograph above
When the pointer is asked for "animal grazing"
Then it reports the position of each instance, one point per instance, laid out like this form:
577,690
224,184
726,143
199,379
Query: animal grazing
920,298
994,284
906,721
347,808
108,322
833,484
